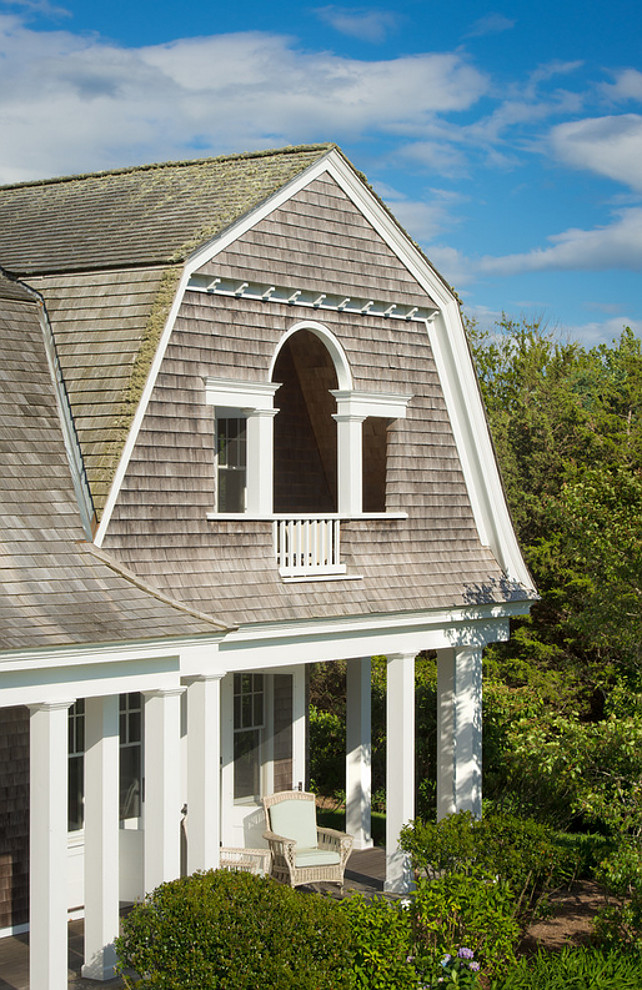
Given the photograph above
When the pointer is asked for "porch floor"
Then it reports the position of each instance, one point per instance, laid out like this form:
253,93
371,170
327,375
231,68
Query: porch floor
365,874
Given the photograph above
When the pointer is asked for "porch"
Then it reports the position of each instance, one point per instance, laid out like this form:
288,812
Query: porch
365,875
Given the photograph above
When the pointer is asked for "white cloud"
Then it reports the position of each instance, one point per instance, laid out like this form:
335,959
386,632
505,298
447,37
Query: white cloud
627,86
490,24
610,146
69,102
618,245
422,219
360,22
592,334
43,7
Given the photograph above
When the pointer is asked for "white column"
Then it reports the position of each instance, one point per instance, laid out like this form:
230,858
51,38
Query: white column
400,766
358,752
48,786
162,859
350,462
101,836
260,460
203,773
459,731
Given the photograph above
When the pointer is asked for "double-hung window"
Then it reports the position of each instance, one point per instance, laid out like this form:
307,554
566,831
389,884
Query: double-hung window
231,464
249,722
243,448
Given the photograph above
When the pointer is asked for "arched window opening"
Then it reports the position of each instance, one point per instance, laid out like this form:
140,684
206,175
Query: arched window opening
305,434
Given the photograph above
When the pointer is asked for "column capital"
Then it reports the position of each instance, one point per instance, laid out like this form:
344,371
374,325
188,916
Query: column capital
51,706
164,692
217,675
348,417
260,413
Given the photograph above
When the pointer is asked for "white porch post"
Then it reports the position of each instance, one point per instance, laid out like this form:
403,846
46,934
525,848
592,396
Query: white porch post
203,773
459,731
101,836
48,786
400,765
349,454
162,859
358,752
260,459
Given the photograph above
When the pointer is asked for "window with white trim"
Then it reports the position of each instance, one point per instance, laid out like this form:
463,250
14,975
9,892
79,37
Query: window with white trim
249,721
130,760
243,445
231,463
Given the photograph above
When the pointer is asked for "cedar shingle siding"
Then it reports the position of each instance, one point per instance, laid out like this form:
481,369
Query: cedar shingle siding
159,526
14,816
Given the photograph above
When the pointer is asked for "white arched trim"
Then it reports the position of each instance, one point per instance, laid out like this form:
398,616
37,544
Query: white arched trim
334,348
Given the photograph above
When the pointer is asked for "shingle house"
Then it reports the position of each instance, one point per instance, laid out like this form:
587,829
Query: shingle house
241,433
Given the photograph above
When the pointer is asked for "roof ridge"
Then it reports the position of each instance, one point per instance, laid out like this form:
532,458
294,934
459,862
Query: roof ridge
182,163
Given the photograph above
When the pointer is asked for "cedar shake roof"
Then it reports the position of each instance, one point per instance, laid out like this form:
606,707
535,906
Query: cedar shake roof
106,252
55,591
137,216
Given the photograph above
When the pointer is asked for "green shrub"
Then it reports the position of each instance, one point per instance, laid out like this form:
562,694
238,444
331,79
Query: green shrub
521,851
573,969
619,922
235,931
474,910
381,938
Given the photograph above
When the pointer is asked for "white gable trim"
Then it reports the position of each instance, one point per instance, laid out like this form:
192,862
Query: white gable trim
447,337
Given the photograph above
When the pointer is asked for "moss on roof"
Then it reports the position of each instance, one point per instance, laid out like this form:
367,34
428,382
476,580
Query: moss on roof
149,214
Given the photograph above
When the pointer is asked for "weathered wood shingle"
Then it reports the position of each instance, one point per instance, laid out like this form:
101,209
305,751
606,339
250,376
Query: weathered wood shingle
54,590
139,216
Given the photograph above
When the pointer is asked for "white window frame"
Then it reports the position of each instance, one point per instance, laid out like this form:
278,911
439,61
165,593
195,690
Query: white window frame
255,402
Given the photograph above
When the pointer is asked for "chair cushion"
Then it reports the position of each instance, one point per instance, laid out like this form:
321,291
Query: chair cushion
316,857
295,819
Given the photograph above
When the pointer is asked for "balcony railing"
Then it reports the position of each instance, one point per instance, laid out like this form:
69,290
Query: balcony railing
306,546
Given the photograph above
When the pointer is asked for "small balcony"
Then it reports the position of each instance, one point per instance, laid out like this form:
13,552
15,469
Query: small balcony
307,546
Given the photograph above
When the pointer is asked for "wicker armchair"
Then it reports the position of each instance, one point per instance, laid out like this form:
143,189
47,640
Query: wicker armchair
302,852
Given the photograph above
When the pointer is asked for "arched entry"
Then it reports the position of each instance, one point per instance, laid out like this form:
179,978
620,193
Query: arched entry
309,363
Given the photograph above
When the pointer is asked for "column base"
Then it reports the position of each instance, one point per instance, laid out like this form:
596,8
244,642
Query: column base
102,967
360,844
399,875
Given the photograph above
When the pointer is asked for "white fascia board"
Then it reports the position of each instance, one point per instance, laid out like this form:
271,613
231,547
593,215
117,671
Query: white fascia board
42,658
253,647
49,675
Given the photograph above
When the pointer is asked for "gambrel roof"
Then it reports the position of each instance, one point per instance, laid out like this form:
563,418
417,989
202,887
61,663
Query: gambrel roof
155,278
107,250
56,591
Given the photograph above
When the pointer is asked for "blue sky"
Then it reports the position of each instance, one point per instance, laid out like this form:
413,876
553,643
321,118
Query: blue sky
507,139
